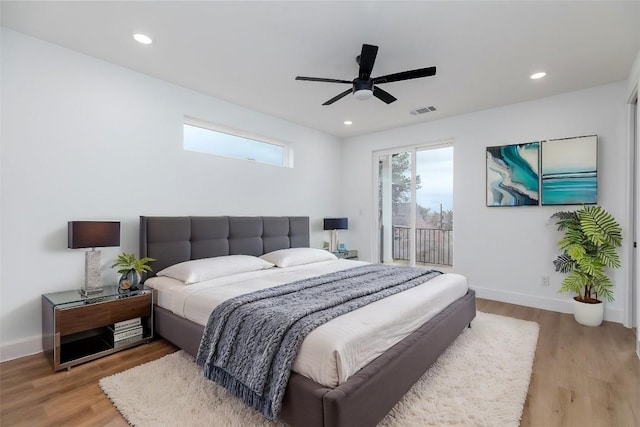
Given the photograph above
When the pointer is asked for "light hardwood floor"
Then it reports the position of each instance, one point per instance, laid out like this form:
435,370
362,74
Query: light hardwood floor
583,377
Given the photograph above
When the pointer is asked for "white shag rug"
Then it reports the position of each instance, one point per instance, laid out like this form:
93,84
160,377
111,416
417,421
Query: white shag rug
480,380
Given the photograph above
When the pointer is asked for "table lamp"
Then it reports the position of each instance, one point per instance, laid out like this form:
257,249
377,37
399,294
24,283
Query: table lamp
335,224
92,234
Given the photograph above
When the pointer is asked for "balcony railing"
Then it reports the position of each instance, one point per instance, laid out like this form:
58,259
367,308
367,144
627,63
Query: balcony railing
433,246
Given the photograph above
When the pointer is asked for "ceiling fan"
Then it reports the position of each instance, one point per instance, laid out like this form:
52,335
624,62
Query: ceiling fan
363,86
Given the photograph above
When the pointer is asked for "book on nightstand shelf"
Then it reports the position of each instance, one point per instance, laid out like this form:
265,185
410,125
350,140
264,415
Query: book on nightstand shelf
126,324
134,331
127,341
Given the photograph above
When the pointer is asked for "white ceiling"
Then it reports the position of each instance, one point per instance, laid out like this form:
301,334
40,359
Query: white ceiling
249,53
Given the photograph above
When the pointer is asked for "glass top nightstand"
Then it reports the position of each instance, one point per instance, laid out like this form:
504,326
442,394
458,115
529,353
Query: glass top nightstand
73,298
77,329
351,254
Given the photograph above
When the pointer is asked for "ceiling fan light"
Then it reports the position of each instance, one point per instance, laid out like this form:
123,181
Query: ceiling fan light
363,94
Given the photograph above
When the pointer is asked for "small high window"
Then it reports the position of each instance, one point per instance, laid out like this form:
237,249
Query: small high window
210,139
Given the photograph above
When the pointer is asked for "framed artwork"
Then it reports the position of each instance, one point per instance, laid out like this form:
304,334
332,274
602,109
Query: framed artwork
512,174
569,171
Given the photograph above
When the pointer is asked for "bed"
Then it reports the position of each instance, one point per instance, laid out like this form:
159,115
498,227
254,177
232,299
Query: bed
365,397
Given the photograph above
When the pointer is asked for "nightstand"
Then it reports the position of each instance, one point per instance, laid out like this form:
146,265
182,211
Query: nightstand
347,255
77,329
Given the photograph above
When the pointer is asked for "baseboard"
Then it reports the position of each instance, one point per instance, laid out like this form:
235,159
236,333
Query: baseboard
611,314
20,348
638,346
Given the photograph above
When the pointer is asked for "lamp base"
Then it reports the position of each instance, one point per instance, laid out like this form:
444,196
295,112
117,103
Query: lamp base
92,283
333,243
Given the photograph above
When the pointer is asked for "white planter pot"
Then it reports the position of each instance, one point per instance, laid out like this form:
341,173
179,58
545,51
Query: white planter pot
588,314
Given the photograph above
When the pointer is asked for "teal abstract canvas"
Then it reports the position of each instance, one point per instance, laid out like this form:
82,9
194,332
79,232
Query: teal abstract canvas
512,174
569,171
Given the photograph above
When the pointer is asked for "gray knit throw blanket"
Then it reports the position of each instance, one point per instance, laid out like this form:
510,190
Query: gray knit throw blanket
251,341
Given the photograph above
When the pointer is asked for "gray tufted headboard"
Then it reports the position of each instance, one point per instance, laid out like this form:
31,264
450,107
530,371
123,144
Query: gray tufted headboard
171,240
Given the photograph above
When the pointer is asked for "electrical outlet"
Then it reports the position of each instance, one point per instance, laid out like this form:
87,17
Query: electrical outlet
545,281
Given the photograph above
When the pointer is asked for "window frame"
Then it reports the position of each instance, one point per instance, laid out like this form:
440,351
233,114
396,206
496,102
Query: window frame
287,152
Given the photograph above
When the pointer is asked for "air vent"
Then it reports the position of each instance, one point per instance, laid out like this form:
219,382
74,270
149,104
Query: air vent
423,110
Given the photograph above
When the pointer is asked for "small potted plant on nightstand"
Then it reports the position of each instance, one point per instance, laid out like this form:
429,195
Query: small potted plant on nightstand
591,237
130,269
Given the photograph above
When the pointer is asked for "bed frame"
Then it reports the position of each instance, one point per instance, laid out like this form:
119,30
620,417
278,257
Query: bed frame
366,397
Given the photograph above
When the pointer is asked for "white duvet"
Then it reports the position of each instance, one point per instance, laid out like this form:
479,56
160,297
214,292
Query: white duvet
336,350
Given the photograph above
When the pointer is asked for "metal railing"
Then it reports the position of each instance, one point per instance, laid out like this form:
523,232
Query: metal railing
433,246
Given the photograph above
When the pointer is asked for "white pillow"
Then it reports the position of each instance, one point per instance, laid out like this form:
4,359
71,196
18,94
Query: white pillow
297,256
199,270
162,282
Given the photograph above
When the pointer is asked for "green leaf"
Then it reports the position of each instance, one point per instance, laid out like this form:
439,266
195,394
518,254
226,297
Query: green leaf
126,262
564,263
609,257
574,282
599,226
576,251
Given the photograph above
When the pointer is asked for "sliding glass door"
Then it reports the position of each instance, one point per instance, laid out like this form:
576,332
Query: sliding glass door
395,194
415,206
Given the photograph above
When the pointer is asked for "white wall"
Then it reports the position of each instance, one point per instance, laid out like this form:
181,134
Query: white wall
85,139
504,251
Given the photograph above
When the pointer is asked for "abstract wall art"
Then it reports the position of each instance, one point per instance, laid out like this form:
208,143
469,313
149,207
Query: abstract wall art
569,171
512,174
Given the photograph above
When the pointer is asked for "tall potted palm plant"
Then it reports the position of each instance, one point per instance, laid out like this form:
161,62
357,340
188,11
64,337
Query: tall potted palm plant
591,237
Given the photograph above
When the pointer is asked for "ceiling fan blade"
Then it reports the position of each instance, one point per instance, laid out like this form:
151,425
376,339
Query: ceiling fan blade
335,98
406,75
320,79
383,95
367,59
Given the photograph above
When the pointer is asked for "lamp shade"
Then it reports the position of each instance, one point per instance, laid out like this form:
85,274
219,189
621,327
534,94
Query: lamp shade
93,234
336,223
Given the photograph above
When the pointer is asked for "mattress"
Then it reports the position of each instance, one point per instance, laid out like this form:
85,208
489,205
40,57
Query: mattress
333,352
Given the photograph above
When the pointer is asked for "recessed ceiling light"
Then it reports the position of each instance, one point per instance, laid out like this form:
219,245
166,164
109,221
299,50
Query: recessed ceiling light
539,75
348,122
141,38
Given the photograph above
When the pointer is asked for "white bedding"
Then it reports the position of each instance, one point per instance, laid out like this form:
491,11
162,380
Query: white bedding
336,350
